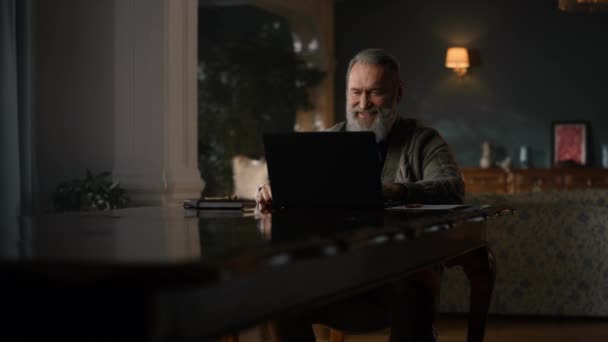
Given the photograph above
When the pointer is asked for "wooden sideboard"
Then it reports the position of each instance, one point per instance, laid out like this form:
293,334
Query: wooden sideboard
497,180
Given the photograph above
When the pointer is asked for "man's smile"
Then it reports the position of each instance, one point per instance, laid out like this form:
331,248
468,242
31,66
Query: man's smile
366,114
366,118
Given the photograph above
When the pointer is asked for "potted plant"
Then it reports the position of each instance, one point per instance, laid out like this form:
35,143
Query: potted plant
94,192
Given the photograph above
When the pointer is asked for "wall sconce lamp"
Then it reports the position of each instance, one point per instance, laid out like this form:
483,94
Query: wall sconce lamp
457,58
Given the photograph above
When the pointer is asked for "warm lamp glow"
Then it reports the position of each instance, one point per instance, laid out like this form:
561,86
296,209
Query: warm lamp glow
457,58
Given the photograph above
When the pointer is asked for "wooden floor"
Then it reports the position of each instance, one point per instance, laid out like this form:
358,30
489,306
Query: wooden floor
502,329
499,329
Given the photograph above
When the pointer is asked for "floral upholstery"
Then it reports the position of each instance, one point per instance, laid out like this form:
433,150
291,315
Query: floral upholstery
551,256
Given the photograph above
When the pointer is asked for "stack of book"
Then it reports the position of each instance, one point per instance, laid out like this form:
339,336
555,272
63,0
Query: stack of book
215,203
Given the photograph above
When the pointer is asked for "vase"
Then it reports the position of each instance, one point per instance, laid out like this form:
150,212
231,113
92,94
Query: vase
524,156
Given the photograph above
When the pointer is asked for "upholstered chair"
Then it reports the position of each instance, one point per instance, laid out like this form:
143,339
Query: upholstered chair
247,175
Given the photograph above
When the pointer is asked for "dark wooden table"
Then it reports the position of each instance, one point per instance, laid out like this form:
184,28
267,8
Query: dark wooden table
166,274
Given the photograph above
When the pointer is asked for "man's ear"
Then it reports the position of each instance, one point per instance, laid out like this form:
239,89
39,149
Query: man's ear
400,90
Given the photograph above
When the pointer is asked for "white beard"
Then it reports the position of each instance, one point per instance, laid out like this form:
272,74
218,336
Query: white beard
381,125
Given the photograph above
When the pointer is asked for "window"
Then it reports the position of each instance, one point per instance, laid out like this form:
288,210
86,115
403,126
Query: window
252,80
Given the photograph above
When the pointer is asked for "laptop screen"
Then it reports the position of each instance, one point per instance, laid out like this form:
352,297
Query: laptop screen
333,170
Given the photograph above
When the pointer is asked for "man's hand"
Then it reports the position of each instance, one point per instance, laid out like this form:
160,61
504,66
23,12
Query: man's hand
394,192
264,196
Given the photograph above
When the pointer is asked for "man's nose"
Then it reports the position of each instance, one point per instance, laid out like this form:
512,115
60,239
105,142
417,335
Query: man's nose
363,101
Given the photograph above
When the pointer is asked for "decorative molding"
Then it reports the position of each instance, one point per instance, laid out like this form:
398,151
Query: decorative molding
156,100
181,174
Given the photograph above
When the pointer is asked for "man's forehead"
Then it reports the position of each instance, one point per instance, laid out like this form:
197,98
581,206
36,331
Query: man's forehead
370,74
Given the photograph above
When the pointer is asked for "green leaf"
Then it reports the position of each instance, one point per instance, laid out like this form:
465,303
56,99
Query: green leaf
89,193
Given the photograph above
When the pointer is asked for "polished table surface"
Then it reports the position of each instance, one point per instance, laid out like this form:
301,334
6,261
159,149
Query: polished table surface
165,273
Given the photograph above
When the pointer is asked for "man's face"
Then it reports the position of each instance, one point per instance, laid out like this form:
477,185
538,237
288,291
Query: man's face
371,101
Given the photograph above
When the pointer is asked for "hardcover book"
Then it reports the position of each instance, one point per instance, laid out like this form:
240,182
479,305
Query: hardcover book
214,203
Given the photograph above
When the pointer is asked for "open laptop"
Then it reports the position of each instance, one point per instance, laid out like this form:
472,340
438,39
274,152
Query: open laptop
329,170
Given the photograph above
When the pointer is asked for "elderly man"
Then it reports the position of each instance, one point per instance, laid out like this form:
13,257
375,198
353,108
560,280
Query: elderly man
418,166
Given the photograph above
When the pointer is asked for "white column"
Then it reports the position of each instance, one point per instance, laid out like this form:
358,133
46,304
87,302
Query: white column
156,100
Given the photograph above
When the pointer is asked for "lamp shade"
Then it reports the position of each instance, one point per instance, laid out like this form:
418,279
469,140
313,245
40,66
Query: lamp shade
457,57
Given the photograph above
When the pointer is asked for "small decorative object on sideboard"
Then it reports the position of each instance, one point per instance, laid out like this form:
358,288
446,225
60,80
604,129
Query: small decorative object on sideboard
524,157
505,164
486,155
605,156
570,141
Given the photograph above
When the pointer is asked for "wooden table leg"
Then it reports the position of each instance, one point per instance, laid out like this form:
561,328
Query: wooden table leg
230,338
336,336
480,268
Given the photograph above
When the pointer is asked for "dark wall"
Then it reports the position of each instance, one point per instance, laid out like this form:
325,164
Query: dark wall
537,65
73,105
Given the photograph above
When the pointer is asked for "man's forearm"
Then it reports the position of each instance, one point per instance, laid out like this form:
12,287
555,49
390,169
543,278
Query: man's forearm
438,191
396,192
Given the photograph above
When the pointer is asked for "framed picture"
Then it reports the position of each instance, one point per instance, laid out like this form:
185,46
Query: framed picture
570,141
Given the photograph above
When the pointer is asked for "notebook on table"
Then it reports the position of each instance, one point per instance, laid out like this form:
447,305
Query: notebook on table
329,170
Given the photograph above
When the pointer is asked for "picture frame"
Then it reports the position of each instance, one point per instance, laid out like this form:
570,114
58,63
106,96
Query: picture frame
570,143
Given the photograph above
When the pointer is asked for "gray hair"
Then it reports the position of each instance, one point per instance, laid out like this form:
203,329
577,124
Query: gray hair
377,57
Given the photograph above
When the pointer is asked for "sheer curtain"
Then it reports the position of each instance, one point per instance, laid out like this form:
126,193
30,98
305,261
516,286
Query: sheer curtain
15,119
